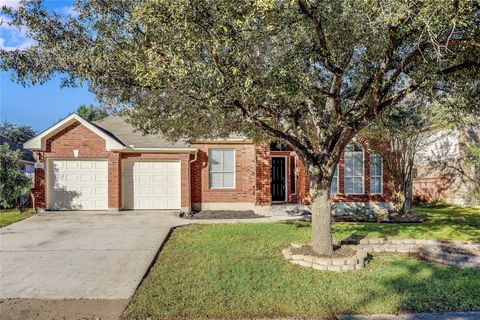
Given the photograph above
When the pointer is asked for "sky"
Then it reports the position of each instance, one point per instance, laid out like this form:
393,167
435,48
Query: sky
38,106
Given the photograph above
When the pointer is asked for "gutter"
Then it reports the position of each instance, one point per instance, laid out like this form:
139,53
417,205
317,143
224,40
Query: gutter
160,150
190,179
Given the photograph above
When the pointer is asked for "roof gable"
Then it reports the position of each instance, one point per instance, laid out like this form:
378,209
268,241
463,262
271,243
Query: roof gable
39,142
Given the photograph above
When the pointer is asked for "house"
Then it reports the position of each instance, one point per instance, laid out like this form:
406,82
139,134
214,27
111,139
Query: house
27,161
442,170
107,165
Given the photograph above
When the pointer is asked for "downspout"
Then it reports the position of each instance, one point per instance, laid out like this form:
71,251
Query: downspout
190,180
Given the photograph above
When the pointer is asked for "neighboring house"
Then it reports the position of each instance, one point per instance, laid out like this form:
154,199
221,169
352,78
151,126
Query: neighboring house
27,161
442,172
108,165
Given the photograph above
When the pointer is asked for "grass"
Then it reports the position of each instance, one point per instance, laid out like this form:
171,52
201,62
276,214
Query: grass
237,271
10,216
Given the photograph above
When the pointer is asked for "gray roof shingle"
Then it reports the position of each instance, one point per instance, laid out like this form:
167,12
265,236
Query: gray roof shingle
129,136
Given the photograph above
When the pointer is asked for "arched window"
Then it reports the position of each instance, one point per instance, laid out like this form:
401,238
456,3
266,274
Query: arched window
354,169
376,174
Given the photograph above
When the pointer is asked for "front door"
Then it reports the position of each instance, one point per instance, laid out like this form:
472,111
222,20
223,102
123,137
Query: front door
277,178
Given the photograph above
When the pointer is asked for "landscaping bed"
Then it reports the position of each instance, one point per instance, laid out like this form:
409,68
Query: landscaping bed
338,251
368,219
223,214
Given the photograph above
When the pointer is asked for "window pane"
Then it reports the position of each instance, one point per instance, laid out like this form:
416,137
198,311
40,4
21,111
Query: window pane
357,164
334,184
216,180
358,185
215,160
375,185
348,165
228,160
348,185
228,180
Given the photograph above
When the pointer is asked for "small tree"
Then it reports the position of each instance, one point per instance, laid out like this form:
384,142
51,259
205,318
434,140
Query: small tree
13,182
16,133
404,131
91,113
310,73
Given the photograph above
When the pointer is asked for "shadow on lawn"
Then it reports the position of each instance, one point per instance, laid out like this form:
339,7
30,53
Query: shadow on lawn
420,286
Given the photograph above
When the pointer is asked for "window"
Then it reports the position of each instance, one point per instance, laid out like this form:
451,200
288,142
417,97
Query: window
222,168
354,169
376,173
334,184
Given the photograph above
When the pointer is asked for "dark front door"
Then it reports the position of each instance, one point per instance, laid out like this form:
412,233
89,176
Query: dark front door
277,178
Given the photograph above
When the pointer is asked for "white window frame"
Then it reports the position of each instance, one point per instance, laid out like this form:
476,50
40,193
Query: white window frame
337,168
210,168
363,170
376,176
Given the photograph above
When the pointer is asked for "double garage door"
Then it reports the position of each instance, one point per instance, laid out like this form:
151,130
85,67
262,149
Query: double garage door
83,185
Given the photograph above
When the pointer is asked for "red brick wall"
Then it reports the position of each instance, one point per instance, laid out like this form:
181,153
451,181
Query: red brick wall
262,186
184,159
76,137
304,184
61,145
38,190
244,190
114,180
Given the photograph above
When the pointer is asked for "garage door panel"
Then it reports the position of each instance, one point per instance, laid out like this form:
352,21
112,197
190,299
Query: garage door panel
78,185
151,185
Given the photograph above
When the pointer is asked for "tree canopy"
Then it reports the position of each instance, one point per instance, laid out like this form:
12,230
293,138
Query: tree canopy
91,113
311,73
13,182
16,133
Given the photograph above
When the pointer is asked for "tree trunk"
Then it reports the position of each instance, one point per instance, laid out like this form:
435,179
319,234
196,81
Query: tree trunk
407,187
321,219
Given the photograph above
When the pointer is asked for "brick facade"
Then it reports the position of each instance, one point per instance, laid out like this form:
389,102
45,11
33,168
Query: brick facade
252,171
245,170
302,192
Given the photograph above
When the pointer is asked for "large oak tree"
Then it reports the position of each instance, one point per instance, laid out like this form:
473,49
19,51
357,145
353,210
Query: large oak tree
310,73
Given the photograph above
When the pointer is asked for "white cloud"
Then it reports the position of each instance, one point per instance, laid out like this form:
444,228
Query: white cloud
10,3
12,38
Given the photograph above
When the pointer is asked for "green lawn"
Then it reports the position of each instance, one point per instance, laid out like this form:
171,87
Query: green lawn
11,215
232,271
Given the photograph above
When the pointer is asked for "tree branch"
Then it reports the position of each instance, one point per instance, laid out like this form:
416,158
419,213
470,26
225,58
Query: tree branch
322,41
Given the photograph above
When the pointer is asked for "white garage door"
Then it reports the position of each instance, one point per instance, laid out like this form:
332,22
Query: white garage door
151,184
77,185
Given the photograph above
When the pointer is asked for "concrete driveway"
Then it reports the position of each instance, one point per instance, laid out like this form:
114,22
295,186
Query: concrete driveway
80,255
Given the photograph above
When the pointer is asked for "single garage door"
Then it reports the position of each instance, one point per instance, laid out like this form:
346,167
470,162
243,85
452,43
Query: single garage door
77,185
151,184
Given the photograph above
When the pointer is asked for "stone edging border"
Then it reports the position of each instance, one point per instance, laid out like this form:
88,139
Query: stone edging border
427,249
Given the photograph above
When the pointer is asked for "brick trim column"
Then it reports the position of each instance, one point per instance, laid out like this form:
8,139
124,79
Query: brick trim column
114,181
262,189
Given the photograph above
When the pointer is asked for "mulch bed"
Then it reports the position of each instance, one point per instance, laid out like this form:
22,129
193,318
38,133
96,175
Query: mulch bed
395,219
223,214
338,252
457,250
